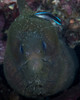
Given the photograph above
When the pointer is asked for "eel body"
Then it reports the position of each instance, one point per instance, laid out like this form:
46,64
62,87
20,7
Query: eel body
37,62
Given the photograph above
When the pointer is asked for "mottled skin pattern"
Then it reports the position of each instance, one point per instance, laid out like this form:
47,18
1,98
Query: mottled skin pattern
31,68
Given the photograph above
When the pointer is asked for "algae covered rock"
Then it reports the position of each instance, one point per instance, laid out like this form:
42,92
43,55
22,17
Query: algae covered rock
36,61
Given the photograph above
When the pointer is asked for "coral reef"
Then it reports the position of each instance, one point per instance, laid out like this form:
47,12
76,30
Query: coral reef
7,1
7,16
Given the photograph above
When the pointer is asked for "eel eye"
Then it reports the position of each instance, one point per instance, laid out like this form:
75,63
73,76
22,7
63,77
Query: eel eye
44,45
21,49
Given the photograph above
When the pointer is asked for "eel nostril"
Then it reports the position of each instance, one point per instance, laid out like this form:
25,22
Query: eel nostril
45,59
27,53
21,49
37,51
44,45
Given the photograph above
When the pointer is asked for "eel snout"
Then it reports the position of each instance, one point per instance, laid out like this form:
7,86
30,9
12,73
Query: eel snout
35,62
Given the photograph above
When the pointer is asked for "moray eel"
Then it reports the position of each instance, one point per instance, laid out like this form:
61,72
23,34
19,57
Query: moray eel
37,62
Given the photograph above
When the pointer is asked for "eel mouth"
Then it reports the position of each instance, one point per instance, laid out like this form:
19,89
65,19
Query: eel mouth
34,89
